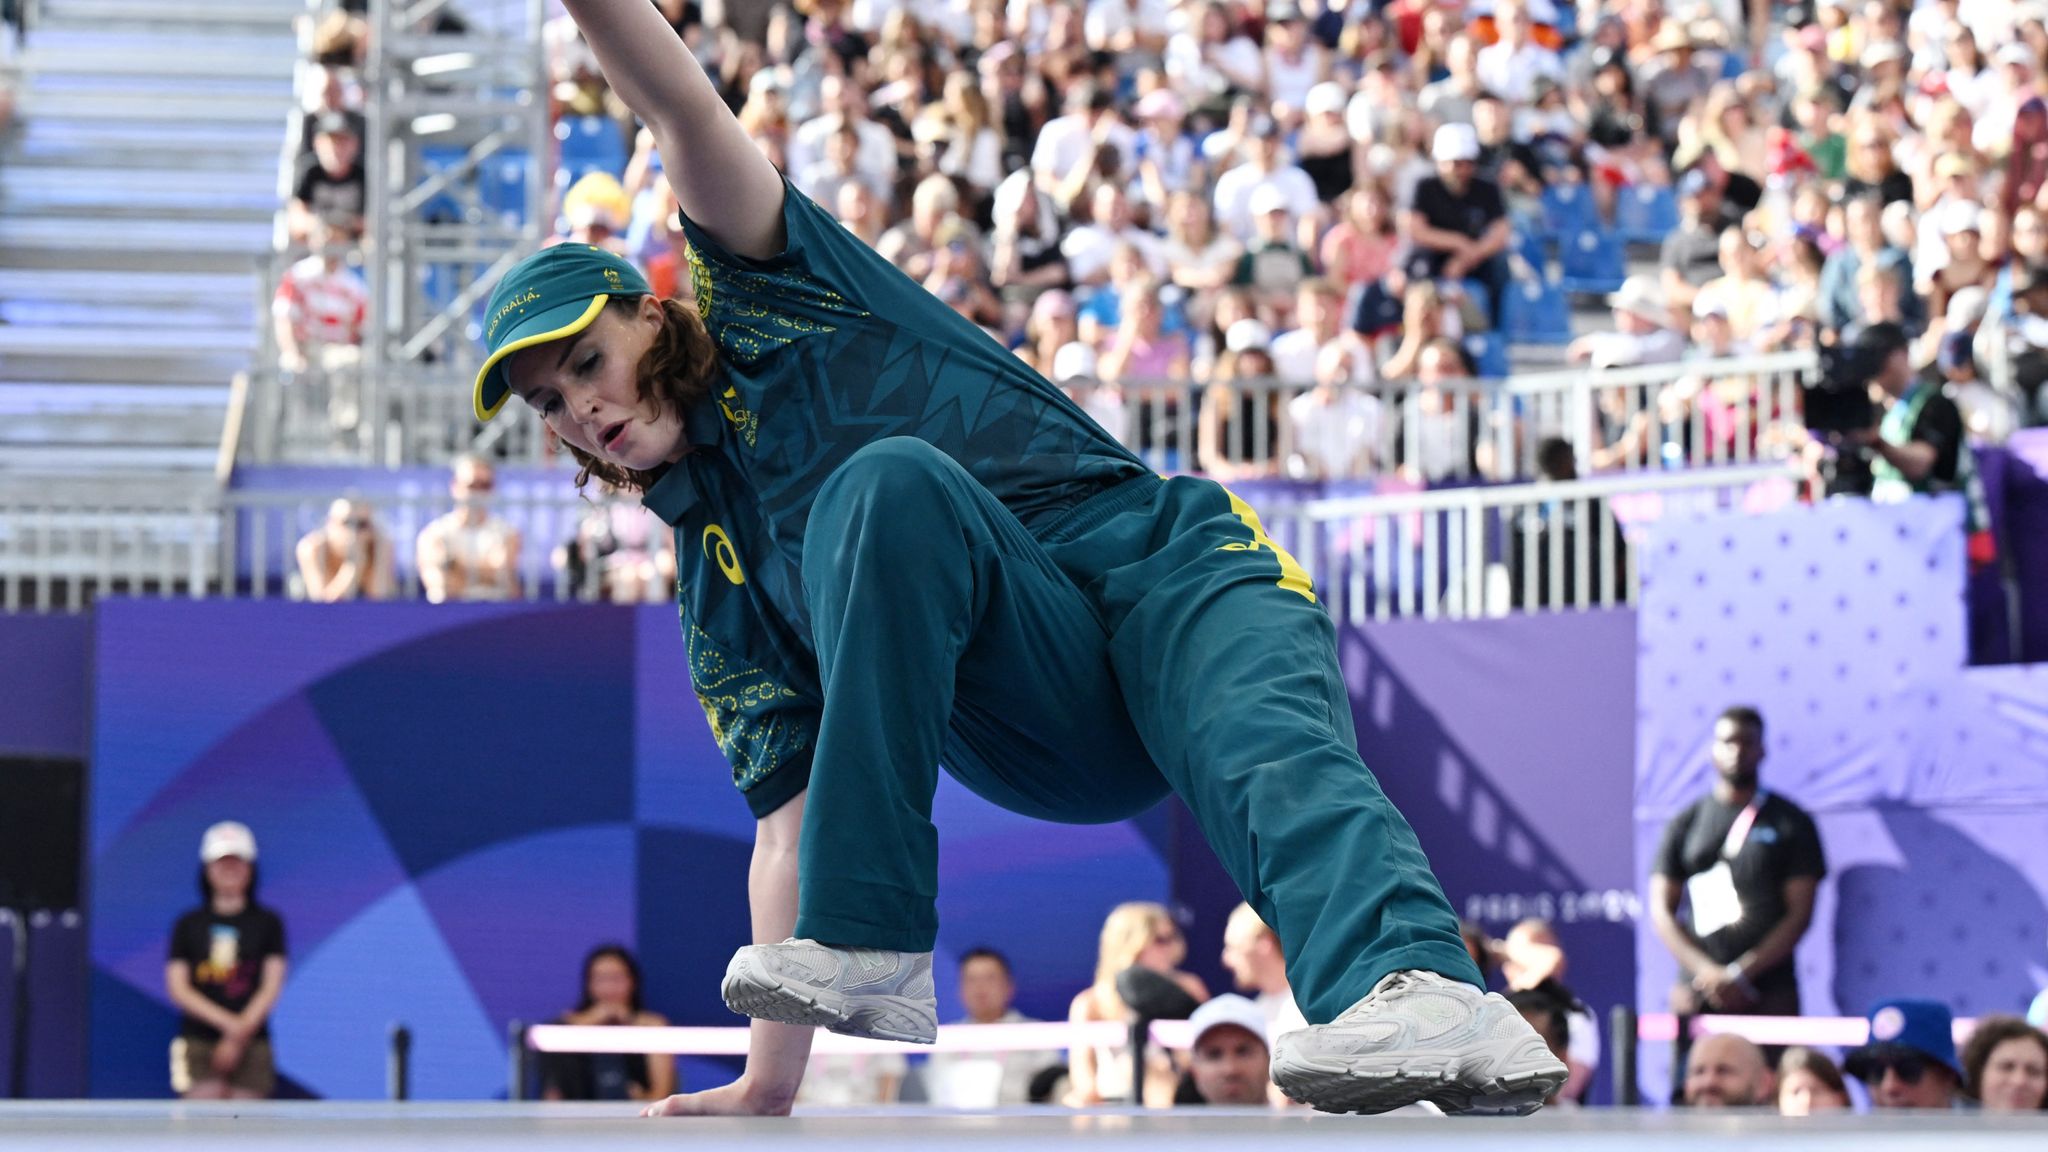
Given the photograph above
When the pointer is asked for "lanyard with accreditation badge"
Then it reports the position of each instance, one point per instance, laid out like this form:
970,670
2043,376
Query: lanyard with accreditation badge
1714,903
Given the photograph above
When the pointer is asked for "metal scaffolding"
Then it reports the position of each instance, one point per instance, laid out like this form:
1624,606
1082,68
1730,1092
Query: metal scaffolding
458,149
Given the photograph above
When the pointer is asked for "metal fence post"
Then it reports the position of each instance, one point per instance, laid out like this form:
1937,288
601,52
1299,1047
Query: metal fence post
398,1063
517,1062
1622,1040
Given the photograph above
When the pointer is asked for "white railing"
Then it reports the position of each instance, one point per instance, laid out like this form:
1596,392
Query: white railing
1451,553
1693,413
1468,552
60,553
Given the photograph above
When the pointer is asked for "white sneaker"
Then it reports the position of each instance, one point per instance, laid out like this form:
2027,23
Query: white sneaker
867,992
1420,1036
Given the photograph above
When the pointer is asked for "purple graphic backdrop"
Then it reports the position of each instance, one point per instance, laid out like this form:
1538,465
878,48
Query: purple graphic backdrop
453,805
1844,623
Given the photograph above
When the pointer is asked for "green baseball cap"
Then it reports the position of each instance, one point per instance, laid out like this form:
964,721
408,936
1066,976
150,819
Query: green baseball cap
552,294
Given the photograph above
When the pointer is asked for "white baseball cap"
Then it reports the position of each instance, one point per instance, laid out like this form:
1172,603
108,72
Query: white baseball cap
1246,335
1326,97
1229,1008
1641,296
1266,198
1074,361
1959,216
1455,142
227,838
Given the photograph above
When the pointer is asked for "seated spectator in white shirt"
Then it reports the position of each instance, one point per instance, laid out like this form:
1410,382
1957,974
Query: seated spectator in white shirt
1069,141
993,1079
1336,427
1319,319
840,100
1209,61
837,165
470,554
1263,168
1508,68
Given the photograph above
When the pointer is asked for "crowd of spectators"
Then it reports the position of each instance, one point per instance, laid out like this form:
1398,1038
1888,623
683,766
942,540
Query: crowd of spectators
1166,206
1266,240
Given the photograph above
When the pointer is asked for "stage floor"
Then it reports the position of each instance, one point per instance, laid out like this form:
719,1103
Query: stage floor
59,1126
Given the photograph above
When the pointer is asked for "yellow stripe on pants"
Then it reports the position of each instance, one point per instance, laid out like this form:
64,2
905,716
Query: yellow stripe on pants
1293,576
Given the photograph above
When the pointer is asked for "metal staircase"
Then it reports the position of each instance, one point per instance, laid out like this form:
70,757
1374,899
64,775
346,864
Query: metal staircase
137,191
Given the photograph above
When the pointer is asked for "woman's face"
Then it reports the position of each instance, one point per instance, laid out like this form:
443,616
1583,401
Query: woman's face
2015,1076
1165,950
1803,1094
611,982
1371,209
229,876
586,388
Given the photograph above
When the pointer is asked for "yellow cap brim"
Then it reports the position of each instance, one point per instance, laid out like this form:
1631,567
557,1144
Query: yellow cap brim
492,387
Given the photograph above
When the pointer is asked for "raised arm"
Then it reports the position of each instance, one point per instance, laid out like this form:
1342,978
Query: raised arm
776,1053
721,180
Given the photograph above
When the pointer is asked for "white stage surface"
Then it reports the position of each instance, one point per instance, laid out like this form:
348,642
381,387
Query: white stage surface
61,1126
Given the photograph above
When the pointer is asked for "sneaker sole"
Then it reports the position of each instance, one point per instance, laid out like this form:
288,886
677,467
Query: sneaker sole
1359,1085
903,1018
751,992
764,996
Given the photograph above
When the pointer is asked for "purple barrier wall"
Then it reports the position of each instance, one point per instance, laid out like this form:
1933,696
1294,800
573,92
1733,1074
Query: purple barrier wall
1844,623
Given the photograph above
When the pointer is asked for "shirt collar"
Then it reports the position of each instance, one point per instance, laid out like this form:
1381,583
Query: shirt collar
672,496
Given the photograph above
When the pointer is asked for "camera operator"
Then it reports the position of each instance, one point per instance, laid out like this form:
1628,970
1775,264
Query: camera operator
1918,445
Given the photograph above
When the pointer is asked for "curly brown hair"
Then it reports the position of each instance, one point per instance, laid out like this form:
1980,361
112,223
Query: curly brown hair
676,372
1991,1031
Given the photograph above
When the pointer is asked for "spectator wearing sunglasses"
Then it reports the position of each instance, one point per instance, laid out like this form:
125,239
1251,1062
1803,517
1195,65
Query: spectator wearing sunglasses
1910,1061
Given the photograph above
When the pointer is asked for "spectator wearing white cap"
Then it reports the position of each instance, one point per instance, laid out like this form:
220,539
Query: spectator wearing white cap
1643,333
2000,93
1074,369
1272,267
1324,148
1262,168
1961,225
1458,223
225,971
1230,1062
1239,432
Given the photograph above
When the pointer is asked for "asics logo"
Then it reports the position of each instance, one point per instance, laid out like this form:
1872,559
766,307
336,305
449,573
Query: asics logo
718,548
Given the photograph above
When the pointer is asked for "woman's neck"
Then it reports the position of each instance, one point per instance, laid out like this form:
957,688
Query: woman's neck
230,903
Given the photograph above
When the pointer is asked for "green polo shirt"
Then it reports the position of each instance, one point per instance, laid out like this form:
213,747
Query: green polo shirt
826,347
